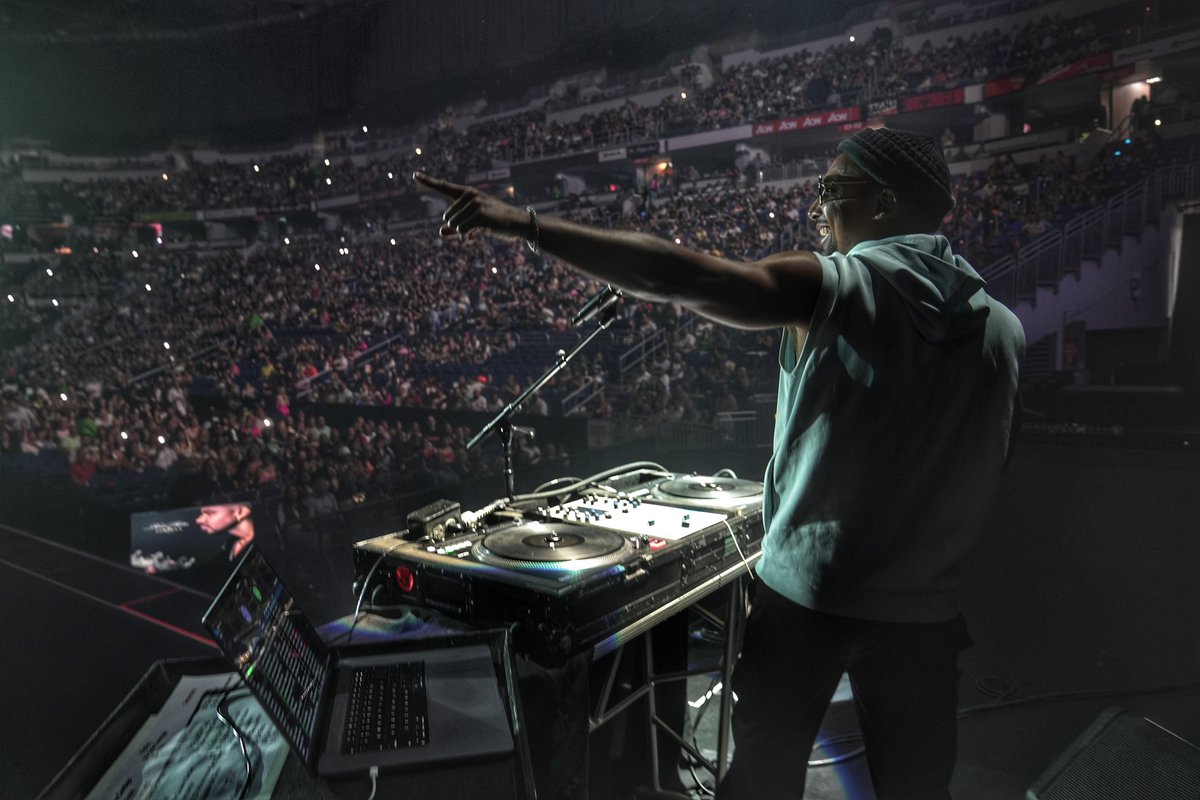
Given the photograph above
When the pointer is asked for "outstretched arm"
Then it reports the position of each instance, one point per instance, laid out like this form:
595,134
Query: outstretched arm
780,290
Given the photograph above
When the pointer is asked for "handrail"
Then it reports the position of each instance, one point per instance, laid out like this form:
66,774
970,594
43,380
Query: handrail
141,376
1045,260
579,398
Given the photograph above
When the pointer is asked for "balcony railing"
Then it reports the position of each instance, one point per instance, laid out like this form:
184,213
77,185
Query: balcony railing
1045,260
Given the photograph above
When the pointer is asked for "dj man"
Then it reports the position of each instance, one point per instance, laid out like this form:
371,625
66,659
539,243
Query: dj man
897,387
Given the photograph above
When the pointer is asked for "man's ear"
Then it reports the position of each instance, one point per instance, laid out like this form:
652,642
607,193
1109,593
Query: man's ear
886,203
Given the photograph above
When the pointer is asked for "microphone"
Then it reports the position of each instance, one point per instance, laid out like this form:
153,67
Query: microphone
603,300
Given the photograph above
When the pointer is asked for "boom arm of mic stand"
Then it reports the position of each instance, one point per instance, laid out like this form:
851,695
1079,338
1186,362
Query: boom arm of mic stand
501,423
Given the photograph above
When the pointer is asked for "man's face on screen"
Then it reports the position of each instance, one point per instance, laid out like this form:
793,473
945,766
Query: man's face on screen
214,519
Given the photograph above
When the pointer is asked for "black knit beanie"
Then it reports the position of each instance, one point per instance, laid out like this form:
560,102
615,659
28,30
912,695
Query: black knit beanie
911,163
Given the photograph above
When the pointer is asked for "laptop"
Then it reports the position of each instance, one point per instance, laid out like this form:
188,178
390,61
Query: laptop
345,710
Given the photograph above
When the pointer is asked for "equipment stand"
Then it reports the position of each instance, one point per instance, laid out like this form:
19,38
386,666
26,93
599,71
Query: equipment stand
730,628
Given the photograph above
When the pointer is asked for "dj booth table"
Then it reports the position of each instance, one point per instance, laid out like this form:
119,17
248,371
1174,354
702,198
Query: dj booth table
552,738
577,587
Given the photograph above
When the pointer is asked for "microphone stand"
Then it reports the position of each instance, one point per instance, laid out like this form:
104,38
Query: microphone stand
502,423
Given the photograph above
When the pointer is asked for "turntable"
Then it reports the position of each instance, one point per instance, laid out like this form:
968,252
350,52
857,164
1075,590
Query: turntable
552,546
704,491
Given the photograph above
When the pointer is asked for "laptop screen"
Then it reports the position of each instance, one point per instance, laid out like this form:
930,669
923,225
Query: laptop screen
274,647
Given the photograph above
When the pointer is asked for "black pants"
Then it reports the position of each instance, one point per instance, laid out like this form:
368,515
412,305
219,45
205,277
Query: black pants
905,682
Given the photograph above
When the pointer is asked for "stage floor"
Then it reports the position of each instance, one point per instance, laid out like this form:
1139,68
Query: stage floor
1080,597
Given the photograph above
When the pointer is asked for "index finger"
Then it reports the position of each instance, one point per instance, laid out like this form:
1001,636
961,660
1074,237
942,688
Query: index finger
451,190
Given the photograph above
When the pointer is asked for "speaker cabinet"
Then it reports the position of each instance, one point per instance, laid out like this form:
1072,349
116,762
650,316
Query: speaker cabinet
1122,756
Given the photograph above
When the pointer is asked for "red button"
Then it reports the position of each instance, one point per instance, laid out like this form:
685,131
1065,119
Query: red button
405,578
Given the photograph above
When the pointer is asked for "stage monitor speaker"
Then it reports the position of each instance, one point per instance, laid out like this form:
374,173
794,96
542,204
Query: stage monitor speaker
1122,756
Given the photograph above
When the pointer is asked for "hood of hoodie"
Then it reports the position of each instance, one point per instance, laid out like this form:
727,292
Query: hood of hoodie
944,293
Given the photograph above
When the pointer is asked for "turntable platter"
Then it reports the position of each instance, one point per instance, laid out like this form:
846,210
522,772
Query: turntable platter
702,487
551,545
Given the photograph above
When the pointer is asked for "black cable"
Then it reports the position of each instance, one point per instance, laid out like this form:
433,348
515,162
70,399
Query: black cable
224,716
366,585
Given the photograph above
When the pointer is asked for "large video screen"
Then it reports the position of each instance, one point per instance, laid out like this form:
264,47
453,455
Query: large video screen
188,538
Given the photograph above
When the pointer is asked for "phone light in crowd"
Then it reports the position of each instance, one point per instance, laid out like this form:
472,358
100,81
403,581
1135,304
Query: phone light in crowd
364,128
1154,80
124,435
391,177
327,162
286,240
49,272
852,38
770,215
1117,153
165,177
12,299
166,345
683,95
393,242
418,151
266,423
677,240
95,250
162,439
329,181
1158,123
158,240
148,287
256,169
495,271
1129,141
317,267
54,302
134,252
63,396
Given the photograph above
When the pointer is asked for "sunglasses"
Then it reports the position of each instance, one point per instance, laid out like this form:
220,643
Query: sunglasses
828,190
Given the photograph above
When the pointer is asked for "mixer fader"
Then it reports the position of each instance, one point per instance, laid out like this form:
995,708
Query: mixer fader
635,516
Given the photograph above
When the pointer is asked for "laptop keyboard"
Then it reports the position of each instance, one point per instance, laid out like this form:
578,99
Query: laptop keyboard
388,708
